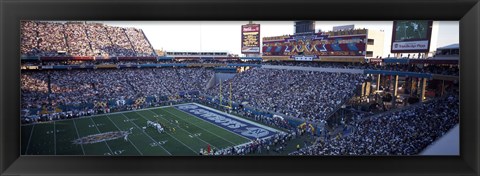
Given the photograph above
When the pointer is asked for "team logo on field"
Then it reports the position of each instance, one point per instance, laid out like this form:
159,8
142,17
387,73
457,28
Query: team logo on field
96,138
255,132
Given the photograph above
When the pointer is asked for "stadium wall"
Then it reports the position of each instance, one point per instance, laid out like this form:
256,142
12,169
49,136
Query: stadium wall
377,47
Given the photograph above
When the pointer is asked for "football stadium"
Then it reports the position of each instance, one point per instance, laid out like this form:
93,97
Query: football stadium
91,88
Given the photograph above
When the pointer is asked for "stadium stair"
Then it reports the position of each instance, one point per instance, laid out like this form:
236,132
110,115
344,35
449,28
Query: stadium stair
130,41
89,41
65,38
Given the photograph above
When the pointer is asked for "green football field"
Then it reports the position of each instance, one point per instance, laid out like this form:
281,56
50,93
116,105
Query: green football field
190,135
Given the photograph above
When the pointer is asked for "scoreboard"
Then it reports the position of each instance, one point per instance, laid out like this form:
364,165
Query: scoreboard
251,39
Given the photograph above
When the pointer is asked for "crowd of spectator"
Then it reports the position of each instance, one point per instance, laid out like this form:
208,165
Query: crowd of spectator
433,69
82,39
315,64
77,87
272,121
29,38
120,42
296,93
51,39
255,146
130,61
274,144
405,132
77,40
139,42
169,81
243,112
347,117
300,94
99,39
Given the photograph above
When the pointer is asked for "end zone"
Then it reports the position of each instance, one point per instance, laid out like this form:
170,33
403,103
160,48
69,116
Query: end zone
237,125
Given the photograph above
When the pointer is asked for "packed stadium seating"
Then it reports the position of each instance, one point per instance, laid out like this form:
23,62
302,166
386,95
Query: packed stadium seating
274,144
77,41
82,39
433,69
29,38
403,132
50,38
80,89
99,38
296,93
139,42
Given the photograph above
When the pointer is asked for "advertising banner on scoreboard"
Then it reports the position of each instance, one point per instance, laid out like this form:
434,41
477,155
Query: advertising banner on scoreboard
410,46
411,36
251,38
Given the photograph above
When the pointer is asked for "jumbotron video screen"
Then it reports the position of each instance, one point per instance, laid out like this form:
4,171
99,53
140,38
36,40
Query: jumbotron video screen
187,88
411,30
412,36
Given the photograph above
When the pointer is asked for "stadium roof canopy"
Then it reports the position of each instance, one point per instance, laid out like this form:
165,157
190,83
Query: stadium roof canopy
452,46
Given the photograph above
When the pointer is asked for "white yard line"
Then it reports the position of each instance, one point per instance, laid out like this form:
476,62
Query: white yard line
28,144
127,138
171,135
184,129
210,131
54,139
94,124
146,134
81,145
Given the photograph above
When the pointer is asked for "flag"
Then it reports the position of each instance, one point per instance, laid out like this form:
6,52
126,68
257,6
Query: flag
208,148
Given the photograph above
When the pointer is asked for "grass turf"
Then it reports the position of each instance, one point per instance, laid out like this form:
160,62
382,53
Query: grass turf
190,135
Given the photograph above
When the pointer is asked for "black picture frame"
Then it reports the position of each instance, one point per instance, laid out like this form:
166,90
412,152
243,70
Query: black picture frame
12,11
